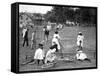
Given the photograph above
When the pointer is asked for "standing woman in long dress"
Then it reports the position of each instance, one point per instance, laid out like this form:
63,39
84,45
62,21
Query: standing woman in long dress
33,40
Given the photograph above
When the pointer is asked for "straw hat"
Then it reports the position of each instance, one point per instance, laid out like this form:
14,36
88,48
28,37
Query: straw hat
80,51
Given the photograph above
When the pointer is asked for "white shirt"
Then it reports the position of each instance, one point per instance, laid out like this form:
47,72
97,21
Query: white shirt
48,27
21,25
80,38
56,35
55,40
23,32
39,54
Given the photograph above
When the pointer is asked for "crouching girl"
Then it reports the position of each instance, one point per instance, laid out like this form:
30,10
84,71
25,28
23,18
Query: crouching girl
39,54
50,55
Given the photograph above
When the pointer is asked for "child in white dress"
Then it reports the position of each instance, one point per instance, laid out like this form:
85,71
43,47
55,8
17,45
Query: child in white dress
50,55
56,39
81,56
80,39
39,54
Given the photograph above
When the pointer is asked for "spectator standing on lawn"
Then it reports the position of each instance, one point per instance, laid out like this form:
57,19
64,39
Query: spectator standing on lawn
80,39
46,33
25,36
33,39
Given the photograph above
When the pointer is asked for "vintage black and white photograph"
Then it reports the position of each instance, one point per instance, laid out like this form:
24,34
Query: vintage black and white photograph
55,37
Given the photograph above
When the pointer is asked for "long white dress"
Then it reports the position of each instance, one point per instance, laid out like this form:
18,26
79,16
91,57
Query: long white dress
32,38
39,54
55,40
80,38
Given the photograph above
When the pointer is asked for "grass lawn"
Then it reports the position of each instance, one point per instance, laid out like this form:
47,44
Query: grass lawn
68,40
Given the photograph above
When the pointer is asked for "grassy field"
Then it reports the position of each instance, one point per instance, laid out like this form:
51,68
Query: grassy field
68,40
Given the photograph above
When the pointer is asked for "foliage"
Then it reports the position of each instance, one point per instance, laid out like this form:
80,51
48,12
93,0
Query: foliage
60,14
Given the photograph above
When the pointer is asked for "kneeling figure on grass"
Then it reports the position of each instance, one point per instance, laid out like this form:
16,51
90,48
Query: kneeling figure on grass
50,55
81,56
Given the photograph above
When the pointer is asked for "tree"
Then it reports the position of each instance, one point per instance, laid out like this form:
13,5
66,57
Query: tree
88,15
60,14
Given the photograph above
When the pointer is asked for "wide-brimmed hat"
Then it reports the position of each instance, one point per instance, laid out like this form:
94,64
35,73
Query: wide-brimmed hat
54,46
80,33
40,44
80,51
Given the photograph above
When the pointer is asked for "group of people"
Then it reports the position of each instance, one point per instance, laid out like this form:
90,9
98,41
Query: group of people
80,55
50,56
25,33
42,56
